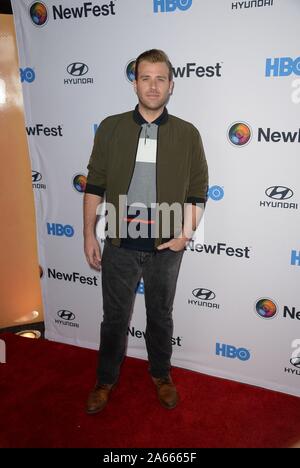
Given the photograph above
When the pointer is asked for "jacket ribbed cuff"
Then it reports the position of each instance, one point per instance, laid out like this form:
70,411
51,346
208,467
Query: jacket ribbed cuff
94,190
195,200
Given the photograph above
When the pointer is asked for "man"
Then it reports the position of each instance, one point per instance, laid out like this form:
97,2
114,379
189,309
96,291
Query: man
144,161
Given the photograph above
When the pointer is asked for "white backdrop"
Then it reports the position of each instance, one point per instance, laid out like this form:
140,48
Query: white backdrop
237,69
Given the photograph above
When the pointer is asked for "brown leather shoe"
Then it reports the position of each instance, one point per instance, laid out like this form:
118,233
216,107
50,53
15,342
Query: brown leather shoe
167,393
98,398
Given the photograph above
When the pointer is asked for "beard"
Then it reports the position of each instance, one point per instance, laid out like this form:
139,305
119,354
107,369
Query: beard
153,104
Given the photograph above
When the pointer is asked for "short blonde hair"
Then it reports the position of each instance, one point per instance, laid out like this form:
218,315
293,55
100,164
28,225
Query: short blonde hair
153,56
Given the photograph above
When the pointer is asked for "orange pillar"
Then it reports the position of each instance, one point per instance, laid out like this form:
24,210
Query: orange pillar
20,299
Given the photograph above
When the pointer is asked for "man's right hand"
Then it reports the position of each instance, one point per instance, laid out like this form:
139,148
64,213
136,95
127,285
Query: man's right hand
92,252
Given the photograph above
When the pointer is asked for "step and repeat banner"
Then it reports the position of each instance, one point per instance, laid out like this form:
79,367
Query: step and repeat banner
237,79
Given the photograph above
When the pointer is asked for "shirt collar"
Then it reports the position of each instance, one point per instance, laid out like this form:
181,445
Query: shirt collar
139,119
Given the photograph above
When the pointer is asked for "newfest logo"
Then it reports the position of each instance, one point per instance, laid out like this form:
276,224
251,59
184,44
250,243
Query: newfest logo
267,309
66,319
78,70
278,196
251,4
37,181
278,136
79,183
42,130
294,359
189,70
135,333
169,6
240,133
204,298
291,313
129,71
220,248
74,277
193,70
39,13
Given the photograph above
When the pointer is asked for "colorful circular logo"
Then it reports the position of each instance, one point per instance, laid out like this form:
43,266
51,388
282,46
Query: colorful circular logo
79,183
130,74
38,13
266,308
239,134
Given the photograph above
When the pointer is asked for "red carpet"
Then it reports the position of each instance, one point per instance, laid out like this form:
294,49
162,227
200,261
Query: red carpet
44,386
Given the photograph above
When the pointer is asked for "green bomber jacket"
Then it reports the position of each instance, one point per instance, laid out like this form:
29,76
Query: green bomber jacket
181,167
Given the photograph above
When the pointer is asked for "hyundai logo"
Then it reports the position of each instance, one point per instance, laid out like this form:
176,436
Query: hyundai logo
278,192
295,361
36,176
77,69
66,315
204,294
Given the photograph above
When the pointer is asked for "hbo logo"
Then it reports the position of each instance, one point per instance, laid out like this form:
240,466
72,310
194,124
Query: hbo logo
283,66
60,230
27,75
166,6
215,192
232,352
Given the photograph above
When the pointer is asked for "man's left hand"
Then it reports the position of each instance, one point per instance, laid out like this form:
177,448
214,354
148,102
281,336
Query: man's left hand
174,244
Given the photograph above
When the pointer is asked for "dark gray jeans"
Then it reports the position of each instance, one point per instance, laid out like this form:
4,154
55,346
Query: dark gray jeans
121,270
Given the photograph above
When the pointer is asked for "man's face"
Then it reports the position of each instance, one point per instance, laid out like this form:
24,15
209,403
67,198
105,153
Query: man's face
153,86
